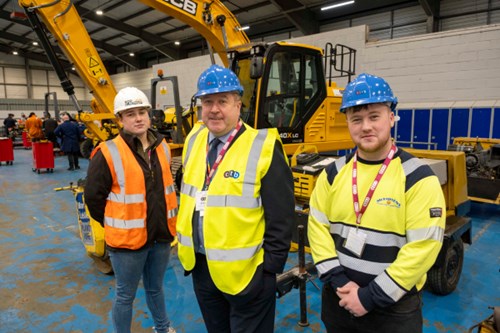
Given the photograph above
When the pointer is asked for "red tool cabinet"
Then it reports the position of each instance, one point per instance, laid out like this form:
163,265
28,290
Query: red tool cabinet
6,151
43,156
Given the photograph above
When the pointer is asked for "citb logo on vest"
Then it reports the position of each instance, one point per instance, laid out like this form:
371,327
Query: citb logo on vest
231,174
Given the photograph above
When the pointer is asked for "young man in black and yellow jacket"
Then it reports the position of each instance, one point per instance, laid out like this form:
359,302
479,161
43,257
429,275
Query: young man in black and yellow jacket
376,222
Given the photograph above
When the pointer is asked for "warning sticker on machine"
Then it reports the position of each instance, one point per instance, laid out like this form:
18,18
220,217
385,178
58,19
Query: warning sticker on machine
95,68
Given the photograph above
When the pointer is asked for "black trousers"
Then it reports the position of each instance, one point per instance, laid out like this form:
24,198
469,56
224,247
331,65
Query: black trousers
405,316
252,310
73,159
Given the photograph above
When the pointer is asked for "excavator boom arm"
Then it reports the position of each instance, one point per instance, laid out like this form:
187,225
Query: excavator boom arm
211,19
64,23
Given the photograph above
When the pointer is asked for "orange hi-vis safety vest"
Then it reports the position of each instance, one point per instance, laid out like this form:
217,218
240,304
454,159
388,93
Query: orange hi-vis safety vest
126,206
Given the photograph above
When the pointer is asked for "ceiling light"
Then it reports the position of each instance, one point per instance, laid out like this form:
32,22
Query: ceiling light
338,5
35,43
99,12
15,53
73,68
243,28
131,54
177,42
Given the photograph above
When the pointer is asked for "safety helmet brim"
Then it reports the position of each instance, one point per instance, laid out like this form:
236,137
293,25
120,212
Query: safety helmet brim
218,90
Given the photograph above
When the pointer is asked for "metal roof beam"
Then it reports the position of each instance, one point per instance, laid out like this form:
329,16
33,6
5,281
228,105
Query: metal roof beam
431,8
118,52
40,57
301,17
156,42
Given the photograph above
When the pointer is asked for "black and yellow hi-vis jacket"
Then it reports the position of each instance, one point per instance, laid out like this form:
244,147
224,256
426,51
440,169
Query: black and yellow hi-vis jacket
404,224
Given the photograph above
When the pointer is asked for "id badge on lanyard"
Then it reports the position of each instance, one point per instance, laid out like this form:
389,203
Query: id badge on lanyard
356,239
201,201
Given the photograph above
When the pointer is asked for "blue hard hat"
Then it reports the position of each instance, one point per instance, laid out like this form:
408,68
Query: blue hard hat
367,89
217,79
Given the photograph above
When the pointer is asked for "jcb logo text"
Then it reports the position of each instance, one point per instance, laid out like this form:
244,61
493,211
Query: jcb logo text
186,5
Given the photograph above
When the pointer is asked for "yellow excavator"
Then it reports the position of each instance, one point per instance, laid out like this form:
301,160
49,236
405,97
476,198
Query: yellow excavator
287,86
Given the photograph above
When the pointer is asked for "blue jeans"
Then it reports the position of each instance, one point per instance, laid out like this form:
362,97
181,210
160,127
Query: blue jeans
128,266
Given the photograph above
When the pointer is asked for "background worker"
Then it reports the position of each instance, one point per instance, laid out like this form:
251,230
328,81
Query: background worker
376,222
49,125
10,125
69,132
130,191
236,211
21,122
33,126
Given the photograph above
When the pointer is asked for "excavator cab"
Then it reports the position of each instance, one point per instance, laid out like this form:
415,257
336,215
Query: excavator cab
285,93
284,88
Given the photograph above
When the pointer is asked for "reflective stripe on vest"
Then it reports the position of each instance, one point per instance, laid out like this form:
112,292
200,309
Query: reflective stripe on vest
185,240
122,197
234,254
168,182
122,224
169,189
246,200
188,190
167,151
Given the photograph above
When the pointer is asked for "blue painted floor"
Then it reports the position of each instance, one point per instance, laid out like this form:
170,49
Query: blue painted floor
48,284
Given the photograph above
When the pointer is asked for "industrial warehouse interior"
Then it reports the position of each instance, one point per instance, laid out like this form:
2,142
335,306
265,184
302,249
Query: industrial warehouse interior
296,64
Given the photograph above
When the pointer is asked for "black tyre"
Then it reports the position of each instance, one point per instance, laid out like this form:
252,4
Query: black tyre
86,148
443,280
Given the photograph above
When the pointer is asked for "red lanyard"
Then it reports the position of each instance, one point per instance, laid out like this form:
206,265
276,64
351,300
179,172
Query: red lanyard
359,212
220,156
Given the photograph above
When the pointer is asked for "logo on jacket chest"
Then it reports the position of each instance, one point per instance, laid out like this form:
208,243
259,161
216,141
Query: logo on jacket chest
391,202
231,174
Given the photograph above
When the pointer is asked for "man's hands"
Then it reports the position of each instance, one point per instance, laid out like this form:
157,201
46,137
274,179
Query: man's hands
349,299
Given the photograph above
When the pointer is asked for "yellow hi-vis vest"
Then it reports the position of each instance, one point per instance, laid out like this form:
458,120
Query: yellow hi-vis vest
233,223
126,206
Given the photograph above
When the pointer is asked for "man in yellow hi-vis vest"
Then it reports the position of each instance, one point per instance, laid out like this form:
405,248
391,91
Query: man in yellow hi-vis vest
130,191
236,212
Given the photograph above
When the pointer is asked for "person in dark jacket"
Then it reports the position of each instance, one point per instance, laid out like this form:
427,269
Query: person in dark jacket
130,191
69,133
49,125
10,125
